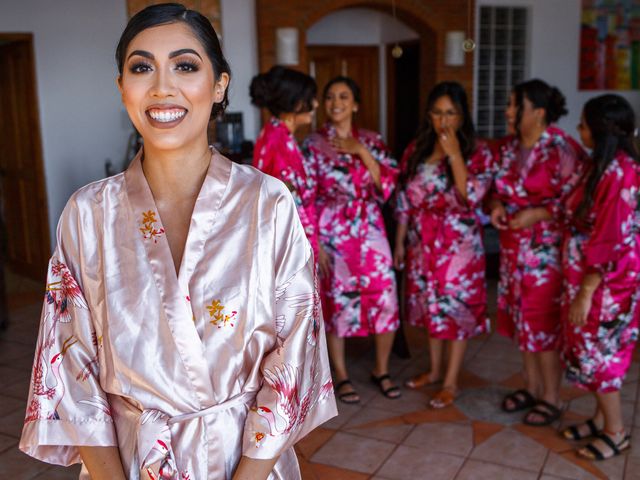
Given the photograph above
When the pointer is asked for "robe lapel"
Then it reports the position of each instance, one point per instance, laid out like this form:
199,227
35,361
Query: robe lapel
173,290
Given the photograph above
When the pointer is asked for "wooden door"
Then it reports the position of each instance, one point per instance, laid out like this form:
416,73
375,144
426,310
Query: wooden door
358,63
22,187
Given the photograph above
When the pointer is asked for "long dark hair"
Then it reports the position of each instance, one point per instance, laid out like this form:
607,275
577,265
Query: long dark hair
611,121
541,95
166,13
283,90
427,135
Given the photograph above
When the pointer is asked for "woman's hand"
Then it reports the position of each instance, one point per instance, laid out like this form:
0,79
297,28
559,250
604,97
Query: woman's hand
449,142
499,216
398,256
528,217
324,263
347,145
579,309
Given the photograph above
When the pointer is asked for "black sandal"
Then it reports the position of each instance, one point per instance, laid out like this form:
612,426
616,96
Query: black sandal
573,432
616,448
550,413
387,393
344,397
521,400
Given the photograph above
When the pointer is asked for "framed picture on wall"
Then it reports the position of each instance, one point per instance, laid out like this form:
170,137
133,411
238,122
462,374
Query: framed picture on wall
610,45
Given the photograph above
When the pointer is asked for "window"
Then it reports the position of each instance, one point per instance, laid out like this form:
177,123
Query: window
501,61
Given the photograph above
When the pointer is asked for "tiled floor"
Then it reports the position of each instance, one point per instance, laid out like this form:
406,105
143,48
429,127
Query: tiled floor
379,438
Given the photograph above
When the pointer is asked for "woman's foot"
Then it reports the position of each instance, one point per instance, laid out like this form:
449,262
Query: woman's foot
517,401
422,380
386,386
606,445
542,414
581,431
444,397
346,393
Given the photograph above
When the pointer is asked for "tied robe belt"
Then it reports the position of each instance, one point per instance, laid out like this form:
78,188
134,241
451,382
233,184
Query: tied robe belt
154,435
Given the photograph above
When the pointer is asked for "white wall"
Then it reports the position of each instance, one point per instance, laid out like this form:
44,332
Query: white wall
362,26
240,46
81,119
554,52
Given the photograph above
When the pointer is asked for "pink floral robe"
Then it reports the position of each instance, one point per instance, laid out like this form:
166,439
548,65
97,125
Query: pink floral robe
445,264
599,353
186,372
359,297
530,283
277,153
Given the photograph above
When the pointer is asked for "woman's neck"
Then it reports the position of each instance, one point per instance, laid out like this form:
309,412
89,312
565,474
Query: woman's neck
343,128
178,172
529,139
289,121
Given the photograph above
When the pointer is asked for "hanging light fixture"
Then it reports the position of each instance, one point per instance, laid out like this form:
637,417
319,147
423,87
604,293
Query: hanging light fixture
396,51
469,45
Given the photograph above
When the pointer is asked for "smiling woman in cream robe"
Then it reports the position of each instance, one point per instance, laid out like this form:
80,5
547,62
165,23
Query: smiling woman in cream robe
187,372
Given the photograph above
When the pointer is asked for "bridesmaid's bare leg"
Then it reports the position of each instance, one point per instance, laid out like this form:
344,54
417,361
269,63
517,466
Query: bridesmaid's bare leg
550,378
454,365
436,353
384,343
531,377
336,355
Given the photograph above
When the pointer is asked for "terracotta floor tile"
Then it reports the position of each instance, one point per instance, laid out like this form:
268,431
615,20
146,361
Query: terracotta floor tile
453,438
512,449
561,467
470,380
482,431
345,412
584,464
353,452
546,436
306,469
409,463
448,414
372,416
312,442
515,381
493,370
326,472
478,470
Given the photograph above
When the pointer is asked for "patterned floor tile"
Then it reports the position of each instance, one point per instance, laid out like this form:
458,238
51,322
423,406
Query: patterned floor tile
479,470
345,450
408,462
453,438
511,449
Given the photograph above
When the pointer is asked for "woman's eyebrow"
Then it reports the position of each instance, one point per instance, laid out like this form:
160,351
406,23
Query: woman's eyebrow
182,51
142,53
176,53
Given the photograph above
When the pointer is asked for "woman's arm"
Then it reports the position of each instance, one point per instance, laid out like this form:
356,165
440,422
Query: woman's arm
103,463
399,250
581,305
254,469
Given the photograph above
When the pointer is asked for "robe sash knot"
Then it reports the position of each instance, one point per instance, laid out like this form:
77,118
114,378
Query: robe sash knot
155,454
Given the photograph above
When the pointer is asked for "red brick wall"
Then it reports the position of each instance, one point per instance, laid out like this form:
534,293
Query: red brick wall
430,18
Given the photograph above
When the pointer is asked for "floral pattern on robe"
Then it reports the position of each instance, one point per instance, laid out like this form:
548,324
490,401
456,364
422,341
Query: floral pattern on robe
445,263
530,283
599,353
277,153
184,373
359,297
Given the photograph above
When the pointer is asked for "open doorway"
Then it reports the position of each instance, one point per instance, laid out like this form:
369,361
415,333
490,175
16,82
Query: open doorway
25,236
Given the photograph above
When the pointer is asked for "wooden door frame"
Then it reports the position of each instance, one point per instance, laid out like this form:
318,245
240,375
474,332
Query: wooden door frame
36,138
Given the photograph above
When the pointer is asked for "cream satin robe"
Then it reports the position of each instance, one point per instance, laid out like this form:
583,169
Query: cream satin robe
183,373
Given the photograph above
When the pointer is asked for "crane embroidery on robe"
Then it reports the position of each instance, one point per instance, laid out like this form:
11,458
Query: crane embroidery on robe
46,398
149,229
90,368
291,411
62,292
218,317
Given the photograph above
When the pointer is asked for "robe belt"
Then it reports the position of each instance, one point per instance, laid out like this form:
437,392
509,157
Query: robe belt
154,435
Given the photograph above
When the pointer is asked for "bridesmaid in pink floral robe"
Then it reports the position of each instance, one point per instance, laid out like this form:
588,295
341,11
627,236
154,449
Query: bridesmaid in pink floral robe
354,174
536,169
601,265
445,175
290,97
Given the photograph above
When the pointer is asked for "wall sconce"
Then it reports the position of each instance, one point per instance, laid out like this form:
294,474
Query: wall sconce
453,51
287,46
